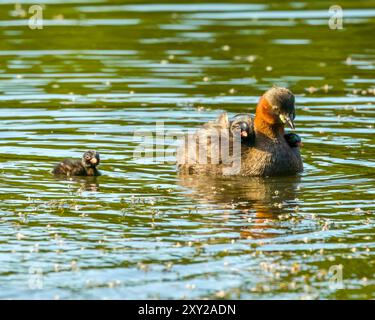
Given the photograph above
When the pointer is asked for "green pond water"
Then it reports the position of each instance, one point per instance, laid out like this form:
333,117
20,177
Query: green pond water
100,71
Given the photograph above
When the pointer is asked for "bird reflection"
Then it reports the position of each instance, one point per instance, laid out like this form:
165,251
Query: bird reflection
258,200
88,183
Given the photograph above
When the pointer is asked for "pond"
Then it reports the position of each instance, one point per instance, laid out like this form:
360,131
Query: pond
100,72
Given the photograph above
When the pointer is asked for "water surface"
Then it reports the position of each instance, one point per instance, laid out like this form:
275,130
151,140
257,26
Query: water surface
101,70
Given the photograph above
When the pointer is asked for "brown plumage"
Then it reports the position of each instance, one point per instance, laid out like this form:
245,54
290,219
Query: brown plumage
84,167
217,149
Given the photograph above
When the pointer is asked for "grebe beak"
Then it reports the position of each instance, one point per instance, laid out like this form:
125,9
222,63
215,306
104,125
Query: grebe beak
285,118
93,160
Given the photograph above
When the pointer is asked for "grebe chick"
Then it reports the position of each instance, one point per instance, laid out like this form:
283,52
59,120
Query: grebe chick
84,167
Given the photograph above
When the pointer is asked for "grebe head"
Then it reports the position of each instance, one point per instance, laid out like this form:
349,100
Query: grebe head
277,106
90,159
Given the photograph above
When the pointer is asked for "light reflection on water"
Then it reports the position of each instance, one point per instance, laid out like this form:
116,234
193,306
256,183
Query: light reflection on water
100,71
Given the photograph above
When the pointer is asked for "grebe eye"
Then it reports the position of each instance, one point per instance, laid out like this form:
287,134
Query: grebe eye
243,126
